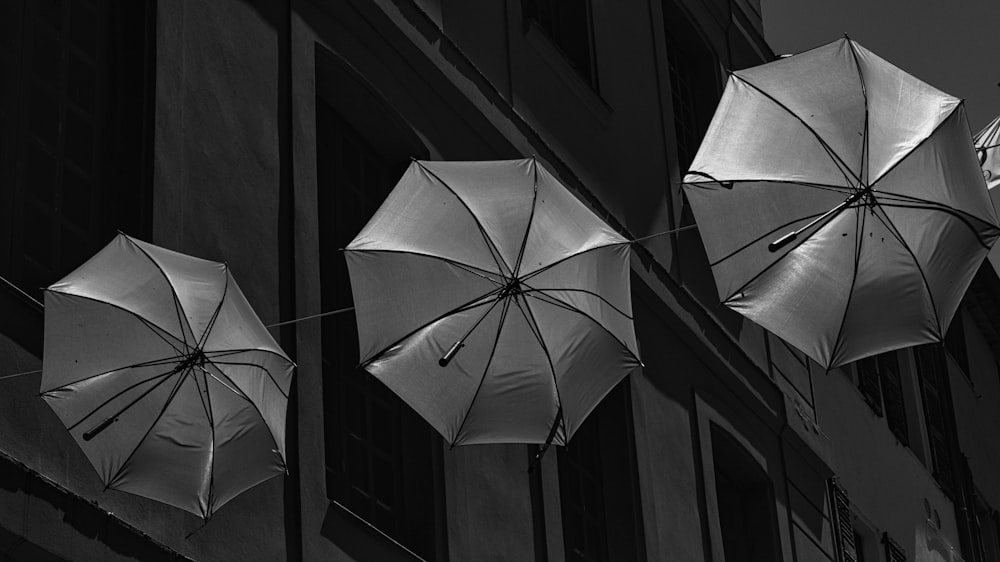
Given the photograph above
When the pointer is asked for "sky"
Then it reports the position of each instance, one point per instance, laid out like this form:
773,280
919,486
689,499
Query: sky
953,45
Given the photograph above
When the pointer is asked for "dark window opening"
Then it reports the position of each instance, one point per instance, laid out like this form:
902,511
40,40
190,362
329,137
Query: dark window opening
694,83
598,485
569,25
75,134
745,501
880,383
939,415
380,455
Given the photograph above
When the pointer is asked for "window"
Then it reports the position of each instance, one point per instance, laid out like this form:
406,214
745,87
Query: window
893,552
745,502
939,415
569,25
845,537
880,382
954,343
381,456
74,132
694,83
598,485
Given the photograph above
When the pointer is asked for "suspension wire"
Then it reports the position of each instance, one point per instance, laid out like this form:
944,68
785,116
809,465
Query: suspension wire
21,291
671,231
20,374
320,315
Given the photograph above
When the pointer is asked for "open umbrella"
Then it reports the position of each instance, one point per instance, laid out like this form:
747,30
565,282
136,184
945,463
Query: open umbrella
492,301
840,203
987,144
165,377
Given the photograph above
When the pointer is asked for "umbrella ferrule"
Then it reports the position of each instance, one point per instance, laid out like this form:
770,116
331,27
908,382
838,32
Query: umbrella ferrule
451,353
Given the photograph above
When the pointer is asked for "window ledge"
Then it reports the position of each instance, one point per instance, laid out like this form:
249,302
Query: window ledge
567,73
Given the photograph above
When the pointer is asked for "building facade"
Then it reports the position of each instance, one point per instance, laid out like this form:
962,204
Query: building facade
264,133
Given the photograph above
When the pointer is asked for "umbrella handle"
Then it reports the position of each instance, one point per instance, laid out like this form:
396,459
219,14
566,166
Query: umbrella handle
784,240
88,435
777,244
451,353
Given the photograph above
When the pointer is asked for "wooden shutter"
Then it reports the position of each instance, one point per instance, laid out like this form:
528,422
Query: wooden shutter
892,396
843,528
893,552
938,412
868,383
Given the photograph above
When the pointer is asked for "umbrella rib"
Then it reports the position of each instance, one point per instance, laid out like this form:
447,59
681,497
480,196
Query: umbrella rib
180,317
813,185
474,303
494,252
152,363
218,308
569,290
156,329
536,330
277,449
930,205
943,209
531,218
486,368
798,243
556,302
164,376
261,367
571,256
918,145
211,424
166,404
485,274
864,170
767,234
859,227
923,277
837,160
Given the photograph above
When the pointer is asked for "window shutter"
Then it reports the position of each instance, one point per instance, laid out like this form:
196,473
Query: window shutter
868,383
893,552
938,412
892,396
843,528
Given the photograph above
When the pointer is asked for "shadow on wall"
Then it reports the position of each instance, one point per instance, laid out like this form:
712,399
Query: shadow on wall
85,517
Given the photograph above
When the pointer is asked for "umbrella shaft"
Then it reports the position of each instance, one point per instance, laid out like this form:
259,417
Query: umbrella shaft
784,240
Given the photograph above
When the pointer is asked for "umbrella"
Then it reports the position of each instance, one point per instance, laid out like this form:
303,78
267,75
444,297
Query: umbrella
987,142
840,203
492,301
165,377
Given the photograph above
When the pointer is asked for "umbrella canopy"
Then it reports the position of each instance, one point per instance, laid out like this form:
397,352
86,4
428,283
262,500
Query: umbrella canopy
987,144
165,376
840,203
492,301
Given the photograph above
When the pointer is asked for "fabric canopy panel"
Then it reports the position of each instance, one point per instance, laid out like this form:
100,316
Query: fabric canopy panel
840,203
492,301
165,376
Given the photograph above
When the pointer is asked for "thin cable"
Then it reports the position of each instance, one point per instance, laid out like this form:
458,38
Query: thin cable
671,231
20,374
320,315
21,291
